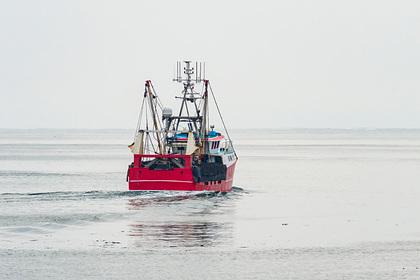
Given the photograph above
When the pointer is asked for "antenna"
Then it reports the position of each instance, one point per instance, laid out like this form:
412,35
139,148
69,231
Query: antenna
179,71
178,76
186,74
176,72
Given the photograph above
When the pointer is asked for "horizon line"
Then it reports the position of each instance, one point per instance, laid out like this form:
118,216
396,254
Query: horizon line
237,128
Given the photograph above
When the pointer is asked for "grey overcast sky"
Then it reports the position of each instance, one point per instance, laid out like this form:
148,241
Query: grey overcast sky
326,63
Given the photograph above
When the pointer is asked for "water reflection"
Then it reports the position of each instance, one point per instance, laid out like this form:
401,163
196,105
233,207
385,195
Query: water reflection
139,203
181,234
182,220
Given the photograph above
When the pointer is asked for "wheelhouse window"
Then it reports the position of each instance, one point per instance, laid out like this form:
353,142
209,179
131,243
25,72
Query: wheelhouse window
215,144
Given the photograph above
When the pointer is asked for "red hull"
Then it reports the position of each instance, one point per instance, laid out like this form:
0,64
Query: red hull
177,179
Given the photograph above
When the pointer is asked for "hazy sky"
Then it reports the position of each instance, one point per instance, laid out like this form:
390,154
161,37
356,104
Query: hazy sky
327,63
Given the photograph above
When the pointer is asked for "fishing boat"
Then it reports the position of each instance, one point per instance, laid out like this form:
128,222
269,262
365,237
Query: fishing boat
183,151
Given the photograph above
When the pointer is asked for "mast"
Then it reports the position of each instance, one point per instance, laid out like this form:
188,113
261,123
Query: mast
190,114
151,96
203,131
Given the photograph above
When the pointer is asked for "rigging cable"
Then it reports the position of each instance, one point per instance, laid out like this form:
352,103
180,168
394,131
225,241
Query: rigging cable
155,102
140,116
157,96
223,122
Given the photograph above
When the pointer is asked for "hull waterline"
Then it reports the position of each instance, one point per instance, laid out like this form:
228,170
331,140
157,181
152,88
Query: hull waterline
179,179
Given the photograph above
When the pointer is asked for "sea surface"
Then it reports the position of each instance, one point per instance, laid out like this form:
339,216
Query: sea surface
307,204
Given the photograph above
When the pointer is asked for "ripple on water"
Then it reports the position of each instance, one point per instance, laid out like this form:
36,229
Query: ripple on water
48,196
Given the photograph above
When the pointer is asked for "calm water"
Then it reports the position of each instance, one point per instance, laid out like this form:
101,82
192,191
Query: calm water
308,204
